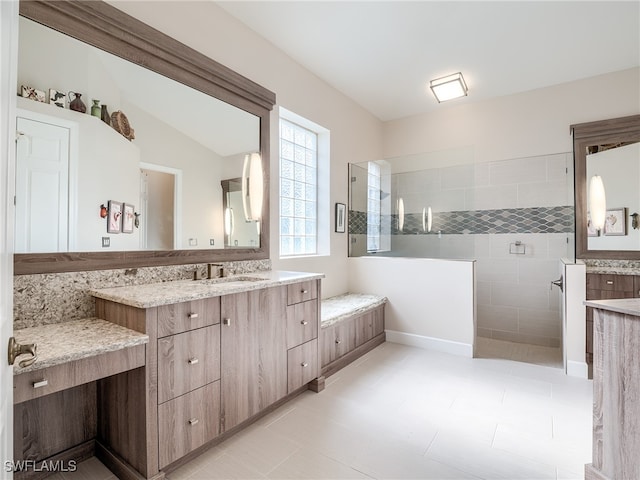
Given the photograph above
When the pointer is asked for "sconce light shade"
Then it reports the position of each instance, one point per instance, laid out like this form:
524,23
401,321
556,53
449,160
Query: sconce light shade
449,87
597,202
228,221
400,214
429,219
252,186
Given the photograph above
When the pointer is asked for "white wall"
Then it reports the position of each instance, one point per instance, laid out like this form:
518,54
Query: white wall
431,302
575,330
356,135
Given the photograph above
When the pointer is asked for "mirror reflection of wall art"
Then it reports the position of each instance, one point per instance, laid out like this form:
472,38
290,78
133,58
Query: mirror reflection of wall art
59,99
592,231
128,216
341,211
616,222
114,219
33,94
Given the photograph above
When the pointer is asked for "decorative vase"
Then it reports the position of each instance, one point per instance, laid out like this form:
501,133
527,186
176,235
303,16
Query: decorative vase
95,109
104,115
77,104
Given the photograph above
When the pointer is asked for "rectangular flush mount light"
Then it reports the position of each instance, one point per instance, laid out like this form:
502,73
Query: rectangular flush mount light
449,87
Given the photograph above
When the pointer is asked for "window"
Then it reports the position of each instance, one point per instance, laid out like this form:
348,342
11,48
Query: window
298,189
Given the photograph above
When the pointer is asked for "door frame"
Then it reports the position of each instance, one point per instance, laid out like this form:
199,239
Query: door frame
177,199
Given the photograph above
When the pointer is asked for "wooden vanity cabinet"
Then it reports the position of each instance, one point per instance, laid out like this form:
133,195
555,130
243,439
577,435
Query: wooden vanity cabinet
211,364
253,353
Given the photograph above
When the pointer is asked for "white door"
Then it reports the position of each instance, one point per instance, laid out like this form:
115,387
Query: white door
42,187
8,81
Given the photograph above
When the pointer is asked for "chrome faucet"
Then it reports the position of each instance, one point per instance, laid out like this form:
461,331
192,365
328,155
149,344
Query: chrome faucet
215,270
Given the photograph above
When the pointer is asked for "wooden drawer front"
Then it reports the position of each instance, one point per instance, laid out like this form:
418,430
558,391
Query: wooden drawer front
617,283
337,340
302,323
181,317
302,365
188,361
301,292
188,422
41,382
368,326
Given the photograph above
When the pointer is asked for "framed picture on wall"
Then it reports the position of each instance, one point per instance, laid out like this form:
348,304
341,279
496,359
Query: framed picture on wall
591,230
128,216
615,222
341,213
114,217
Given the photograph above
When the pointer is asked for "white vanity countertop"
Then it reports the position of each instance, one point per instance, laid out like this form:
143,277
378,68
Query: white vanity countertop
156,294
60,343
627,306
339,307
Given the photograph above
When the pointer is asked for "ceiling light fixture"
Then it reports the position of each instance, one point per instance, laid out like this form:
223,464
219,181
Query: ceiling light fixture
449,87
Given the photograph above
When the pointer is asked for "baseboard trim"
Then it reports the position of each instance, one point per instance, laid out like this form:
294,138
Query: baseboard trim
577,369
430,343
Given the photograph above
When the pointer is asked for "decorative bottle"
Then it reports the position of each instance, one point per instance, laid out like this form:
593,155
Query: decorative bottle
77,104
104,115
95,109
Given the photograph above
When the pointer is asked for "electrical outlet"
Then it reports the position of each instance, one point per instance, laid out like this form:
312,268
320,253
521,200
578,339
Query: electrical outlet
193,242
106,242
211,241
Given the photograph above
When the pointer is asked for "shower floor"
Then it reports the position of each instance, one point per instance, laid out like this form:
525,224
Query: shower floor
519,352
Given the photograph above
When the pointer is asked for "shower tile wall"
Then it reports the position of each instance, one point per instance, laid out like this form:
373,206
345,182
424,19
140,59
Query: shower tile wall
489,207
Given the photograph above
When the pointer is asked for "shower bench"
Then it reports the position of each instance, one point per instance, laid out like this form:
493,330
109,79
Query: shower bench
351,325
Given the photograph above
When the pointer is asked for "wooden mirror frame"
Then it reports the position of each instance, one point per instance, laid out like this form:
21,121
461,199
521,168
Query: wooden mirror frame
109,29
616,130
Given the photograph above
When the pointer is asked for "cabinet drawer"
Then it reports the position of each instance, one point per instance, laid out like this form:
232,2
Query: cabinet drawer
369,325
337,340
181,317
616,283
302,365
301,292
188,422
188,361
302,323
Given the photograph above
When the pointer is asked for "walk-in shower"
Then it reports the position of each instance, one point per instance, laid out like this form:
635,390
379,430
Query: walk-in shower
514,217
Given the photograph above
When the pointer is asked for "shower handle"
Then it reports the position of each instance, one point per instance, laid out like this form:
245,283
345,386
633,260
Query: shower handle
559,283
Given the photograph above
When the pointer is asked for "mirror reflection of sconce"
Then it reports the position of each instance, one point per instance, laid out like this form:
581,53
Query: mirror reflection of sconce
597,202
634,221
400,214
252,186
228,221
427,219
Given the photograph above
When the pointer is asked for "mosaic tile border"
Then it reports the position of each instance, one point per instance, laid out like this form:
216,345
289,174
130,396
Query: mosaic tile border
477,222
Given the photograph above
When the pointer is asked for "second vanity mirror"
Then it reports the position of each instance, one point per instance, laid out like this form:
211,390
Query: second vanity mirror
193,120
608,149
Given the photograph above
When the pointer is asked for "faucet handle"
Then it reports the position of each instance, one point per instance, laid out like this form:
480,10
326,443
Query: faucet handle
219,270
15,350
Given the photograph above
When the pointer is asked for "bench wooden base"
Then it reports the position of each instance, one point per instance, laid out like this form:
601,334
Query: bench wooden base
353,355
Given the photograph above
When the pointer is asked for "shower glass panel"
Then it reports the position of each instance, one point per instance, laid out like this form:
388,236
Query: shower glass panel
514,217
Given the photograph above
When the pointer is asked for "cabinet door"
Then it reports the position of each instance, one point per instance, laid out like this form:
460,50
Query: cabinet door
253,353
303,364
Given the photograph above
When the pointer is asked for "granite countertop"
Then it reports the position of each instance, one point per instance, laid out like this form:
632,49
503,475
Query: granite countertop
627,306
337,308
68,341
156,294
613,270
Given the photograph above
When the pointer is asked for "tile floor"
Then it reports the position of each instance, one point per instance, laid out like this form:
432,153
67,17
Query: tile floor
402,412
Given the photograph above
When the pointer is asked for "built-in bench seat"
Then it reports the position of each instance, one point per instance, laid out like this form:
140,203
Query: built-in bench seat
351,325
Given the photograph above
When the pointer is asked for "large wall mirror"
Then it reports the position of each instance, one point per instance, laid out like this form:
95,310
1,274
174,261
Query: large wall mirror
193,122
609,149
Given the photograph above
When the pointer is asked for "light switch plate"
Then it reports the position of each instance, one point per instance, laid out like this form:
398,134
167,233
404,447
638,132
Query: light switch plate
106,242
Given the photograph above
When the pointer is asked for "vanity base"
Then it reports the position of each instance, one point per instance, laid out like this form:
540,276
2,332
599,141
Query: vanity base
119,467
590,473
62,461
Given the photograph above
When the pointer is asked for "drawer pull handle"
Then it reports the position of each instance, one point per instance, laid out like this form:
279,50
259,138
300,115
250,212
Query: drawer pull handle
193,421
41,383
192,361
192,315
304,322
304,291
226,321
338,341
609,282
304,364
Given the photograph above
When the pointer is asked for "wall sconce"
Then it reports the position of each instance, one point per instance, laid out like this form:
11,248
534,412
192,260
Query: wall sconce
449,87
252,186
597,202
427,219
400,214
228,221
